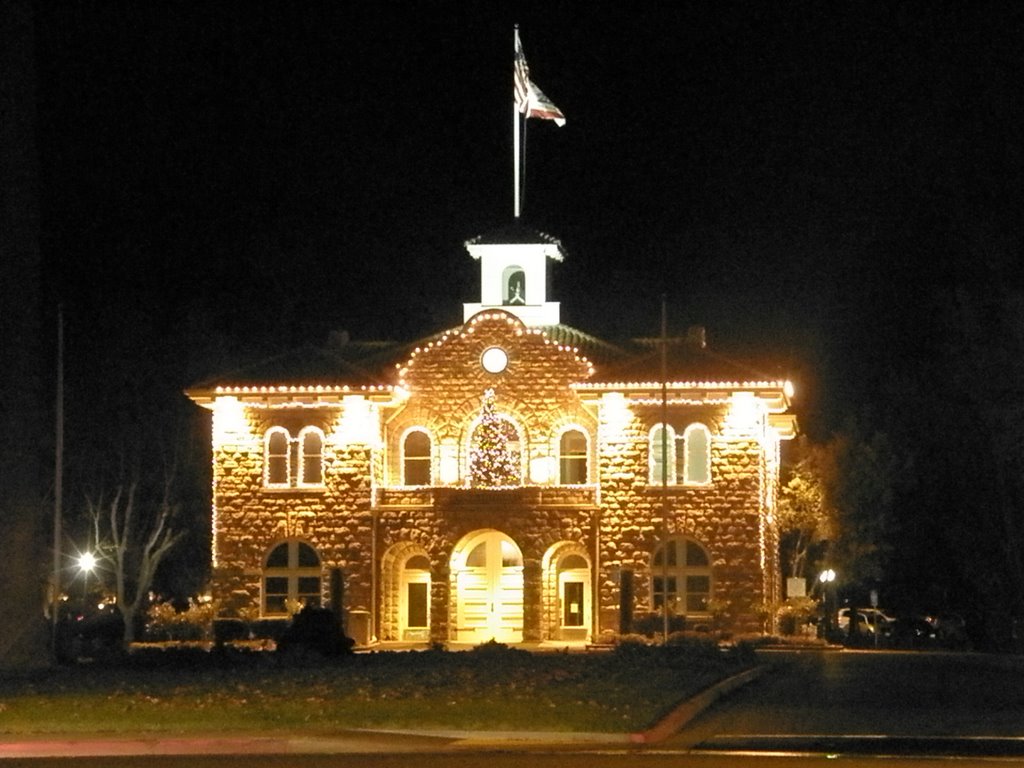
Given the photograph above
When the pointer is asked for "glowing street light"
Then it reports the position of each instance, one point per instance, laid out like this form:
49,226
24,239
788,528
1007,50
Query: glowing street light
827,577
86,564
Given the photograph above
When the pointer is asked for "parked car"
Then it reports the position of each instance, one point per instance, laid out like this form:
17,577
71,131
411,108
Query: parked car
89,635
950,631
869,620
913,632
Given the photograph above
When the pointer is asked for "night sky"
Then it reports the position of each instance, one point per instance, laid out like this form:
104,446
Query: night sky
220,183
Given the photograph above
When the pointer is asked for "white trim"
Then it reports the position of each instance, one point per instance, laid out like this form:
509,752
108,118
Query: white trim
401,456
300,480
287,457
588,453
687,473
681,570
653,458
292,571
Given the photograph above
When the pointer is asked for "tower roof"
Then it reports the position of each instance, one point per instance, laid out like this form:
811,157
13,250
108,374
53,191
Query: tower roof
517,233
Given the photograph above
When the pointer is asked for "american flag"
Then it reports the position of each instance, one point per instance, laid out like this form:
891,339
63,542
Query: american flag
530,100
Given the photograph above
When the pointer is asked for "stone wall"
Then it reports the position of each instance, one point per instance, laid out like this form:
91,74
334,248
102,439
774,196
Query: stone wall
457,514
362,522
724,516
446,382
250,518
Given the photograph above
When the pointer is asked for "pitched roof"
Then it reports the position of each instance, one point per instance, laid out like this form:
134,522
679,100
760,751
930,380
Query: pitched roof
517,233
686,360
356,364
597,351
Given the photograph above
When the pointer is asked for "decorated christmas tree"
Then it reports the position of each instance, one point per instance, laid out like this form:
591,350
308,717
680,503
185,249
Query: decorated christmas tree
494,460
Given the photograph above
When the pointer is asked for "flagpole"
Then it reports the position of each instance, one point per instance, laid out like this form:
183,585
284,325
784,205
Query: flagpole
515,128
58,485
522,164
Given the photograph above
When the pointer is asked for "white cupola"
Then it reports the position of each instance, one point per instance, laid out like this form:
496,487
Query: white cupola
513,274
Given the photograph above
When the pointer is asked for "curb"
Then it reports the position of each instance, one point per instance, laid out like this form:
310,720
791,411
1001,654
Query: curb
689,709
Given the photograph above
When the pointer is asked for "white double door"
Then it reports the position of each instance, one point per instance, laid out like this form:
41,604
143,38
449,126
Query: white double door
490,585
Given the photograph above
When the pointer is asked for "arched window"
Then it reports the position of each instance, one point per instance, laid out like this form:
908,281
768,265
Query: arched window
681,574
291,578
277,465
697,449
572,458
515,286
293,462
416,458
311,446
662,455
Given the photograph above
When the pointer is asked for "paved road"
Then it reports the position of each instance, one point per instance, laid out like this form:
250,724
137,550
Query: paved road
505,759
812,708
851,702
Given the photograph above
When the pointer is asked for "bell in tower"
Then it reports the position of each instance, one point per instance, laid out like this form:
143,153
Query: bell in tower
513,274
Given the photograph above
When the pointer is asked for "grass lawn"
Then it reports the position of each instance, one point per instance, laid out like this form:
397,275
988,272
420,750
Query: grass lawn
490,687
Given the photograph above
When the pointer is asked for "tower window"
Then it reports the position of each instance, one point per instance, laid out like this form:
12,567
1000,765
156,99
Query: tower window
515,286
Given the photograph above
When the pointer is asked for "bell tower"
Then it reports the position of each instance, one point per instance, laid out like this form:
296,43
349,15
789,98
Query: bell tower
513,274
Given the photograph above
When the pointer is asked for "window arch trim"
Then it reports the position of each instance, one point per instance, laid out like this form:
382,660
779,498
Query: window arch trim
513,285
309,462
681,570
276,457
293,462
654,458
299,579
568,462
405,458
697,467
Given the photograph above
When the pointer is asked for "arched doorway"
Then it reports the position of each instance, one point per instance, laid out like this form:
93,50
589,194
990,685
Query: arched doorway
487,568
405,593
567,592
414,599
574,596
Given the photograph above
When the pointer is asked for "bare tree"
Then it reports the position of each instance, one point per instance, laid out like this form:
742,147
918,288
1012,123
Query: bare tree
134,545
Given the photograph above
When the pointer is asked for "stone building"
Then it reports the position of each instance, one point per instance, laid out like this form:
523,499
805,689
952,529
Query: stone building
511,478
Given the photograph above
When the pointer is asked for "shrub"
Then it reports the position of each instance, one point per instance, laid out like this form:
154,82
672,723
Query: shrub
317,631
167,623
229,631
653,624
632,647
744,651
685,646
795,613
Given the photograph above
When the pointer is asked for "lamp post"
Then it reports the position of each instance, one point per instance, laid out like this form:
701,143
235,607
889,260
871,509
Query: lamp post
86,564
827,577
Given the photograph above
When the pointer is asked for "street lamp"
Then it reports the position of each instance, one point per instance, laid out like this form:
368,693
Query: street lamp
826,578
86,564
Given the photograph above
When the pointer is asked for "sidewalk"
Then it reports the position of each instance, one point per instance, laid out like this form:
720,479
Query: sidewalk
356,741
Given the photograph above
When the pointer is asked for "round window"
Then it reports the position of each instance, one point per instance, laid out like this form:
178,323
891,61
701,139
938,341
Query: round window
494,360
